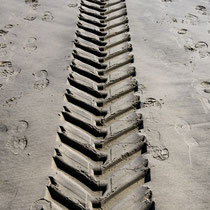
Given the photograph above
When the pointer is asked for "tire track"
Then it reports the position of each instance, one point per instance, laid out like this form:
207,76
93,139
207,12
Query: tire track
98,160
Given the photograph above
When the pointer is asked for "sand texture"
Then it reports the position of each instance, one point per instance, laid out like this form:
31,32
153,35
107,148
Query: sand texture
170,43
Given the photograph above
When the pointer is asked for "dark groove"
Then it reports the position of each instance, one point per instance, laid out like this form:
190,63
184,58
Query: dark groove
98,9
88,74
93,155
92,14
114,10
89,49
115,16
90,183
85,126
82,104
86,89
90,39
126,29
93,31
88,61
93,22
97,2
60,198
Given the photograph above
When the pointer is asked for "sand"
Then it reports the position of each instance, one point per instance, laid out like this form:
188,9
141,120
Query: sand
171,50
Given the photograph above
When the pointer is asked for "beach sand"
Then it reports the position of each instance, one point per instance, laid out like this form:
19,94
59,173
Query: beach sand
170,42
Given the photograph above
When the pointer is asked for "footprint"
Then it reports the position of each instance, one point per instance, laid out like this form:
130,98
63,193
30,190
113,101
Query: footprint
32,3
204,54
201,9
155,146
182,31
160,153
8,26
192,19
7,70
30,18
206,90
182,127
41,81
47,16
16,144
18,141
22,126
201,45
3,32
41,204
41,74
3,45
205,84
30,44
72,5
150,102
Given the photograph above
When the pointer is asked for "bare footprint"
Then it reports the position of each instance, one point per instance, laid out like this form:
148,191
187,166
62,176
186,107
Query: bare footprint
41,81
201,9
30,44
150,102
191,19
47,16
182,127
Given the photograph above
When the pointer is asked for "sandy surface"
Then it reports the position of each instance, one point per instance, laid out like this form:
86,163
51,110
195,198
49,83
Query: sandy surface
171,49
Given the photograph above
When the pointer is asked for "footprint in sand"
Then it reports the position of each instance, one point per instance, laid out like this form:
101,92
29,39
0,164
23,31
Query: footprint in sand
47,16
30,17
3,32
30,44
206,86
155,146
18,141
7,69
201,9
151,102
191,19
202,46
41,80
8,26
32,3
72,5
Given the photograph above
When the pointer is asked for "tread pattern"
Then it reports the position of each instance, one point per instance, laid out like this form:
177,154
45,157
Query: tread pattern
98,160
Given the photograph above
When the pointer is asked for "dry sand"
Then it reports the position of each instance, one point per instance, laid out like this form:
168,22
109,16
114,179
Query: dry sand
171,50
